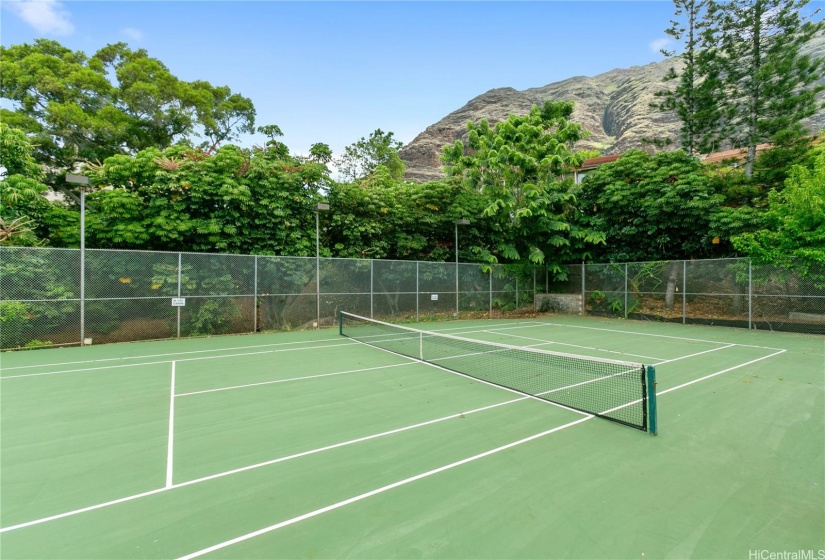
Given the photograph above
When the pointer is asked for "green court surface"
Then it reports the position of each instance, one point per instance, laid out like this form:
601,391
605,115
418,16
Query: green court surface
311,445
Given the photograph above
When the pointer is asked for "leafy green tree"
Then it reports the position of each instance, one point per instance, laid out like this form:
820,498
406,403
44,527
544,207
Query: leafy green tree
79,108
694,98
364,156
381,217
767,85
230,201
793,232
320,153
26,217
650,207
517,168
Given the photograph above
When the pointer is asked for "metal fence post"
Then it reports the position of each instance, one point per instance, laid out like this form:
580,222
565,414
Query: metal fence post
625,291
456,281
82,265
417,291
583,291
179,290
255,297
490,276
750,294
82,295
516,292
684,292
372,284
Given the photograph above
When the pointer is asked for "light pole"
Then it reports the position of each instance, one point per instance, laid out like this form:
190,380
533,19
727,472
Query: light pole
461,222
83,181
320,207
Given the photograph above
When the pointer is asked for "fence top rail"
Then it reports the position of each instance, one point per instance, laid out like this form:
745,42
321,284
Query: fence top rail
689,261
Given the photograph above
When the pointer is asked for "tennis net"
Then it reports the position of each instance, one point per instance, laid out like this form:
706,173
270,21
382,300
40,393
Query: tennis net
615,390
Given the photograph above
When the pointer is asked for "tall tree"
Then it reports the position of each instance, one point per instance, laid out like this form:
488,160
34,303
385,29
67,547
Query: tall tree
79,108
518,167
768,85
364,156
694,96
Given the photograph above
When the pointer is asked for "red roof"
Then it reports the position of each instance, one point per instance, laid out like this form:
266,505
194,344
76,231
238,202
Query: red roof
738,154
593,163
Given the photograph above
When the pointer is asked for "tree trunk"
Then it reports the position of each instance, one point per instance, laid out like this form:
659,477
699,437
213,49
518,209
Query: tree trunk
672,279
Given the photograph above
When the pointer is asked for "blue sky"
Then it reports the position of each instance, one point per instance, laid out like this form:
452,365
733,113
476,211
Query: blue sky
333,72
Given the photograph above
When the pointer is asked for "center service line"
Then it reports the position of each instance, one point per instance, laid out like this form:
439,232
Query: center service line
170,450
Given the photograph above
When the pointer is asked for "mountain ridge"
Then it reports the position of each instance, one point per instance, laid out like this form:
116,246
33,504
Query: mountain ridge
614,107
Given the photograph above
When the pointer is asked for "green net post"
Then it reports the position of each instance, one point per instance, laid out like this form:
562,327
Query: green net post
652,426
340,323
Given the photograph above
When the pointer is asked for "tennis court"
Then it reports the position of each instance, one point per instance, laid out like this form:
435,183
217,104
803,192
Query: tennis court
313,445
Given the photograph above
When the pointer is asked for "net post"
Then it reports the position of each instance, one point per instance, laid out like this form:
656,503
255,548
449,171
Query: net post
652,424
340,322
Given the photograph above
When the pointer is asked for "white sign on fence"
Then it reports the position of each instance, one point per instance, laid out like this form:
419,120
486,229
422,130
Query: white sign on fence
434,297
178,302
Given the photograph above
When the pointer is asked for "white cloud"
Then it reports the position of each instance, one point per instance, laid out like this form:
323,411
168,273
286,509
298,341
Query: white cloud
662,43
46,16
132,33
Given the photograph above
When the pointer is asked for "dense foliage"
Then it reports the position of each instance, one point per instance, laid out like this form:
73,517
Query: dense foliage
517,168
80,108
651,207
793,227
123,120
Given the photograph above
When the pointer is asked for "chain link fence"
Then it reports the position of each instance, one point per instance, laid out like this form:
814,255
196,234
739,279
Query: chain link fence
726,292
121,295
47,300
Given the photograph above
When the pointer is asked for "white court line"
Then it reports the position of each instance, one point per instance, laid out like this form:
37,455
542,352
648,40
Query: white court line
144,356
573,345
334,343
290,379
170,449
695,354
720,372
562,325
697,380
5,377
381,490
502,327
337,342
255,466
